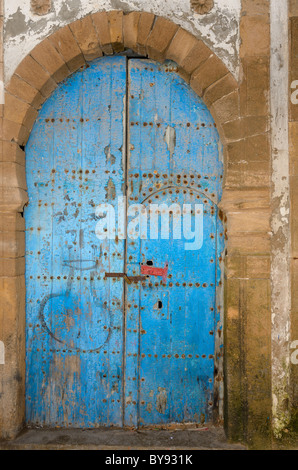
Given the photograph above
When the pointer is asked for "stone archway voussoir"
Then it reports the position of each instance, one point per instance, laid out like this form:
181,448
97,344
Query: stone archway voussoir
158,38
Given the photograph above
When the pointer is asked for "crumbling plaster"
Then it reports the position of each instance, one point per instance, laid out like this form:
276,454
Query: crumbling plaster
23,30
281,233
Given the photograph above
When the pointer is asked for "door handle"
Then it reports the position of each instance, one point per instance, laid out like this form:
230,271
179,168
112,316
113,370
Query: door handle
127,279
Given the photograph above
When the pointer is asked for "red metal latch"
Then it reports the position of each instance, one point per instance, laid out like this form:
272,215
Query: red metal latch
151,271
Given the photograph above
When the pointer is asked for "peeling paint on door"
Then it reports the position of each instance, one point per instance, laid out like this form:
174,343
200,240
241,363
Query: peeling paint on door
170,139
109,157
161,400
110,190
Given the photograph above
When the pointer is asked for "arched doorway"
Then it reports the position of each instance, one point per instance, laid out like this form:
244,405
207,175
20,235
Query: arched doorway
102,351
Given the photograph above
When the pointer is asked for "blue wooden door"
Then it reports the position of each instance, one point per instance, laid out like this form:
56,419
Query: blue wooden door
100,351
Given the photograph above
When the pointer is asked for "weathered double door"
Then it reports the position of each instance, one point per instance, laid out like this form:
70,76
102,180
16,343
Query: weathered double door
101,351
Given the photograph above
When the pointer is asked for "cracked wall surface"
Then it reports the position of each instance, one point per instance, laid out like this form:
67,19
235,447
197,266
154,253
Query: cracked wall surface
23,29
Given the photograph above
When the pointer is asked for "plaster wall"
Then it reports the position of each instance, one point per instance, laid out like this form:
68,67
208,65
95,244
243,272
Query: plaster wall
23,29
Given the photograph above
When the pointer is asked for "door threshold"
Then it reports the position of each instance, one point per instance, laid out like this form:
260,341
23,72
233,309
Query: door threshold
212,438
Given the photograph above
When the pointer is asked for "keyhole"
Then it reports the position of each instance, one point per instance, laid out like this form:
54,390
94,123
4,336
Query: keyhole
158,305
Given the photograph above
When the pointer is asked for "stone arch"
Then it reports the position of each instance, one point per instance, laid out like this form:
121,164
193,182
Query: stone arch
107,33
52,61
